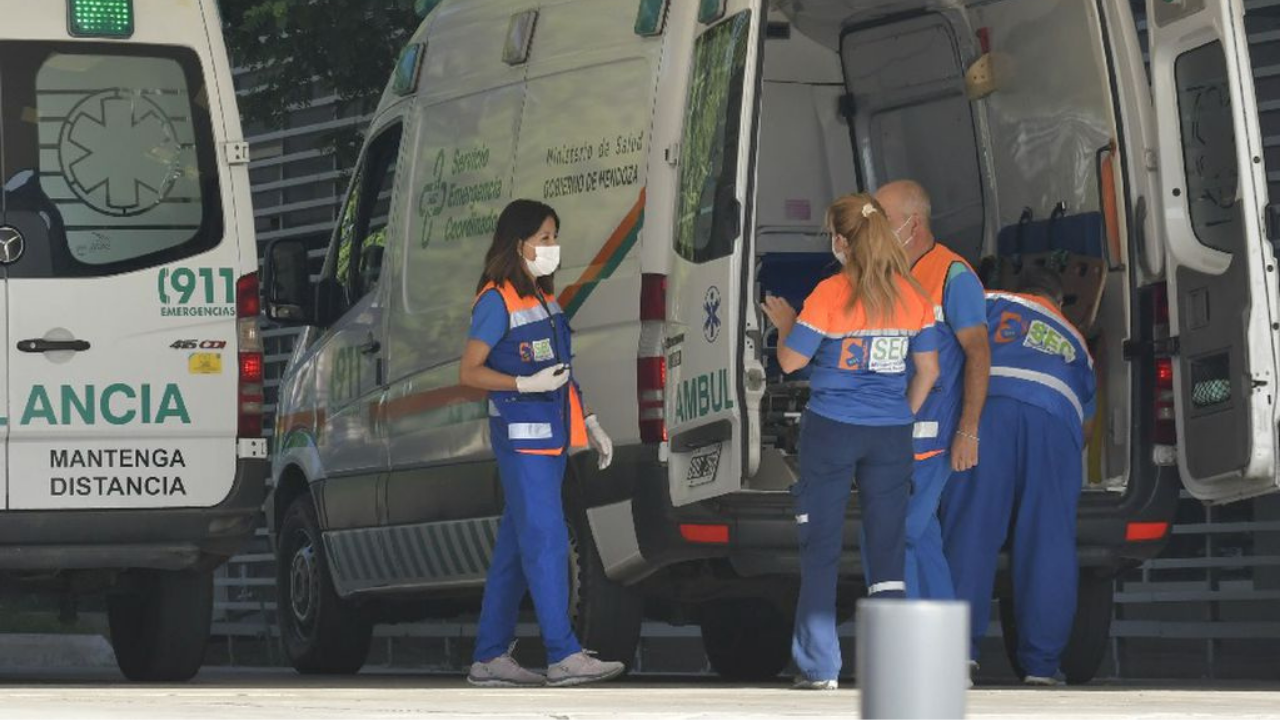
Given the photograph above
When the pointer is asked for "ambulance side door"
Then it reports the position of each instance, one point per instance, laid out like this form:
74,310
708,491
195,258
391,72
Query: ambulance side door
707,290
351,375
1220,266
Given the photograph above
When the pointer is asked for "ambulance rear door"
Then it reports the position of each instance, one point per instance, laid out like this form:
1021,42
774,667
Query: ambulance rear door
1221,267
124,273
707,293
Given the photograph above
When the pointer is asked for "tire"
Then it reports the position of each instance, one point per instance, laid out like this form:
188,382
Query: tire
160,625
1090,632
606,615
323,635
746,639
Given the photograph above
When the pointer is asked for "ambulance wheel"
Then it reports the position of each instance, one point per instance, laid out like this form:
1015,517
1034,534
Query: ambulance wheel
746,639
1090,633
323,635
606,615
160,624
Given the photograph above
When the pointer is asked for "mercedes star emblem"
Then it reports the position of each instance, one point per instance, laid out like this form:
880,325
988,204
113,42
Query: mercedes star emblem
11,245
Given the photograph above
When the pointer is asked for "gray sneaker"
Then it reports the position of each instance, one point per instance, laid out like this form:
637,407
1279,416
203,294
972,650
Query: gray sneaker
581,668
1042,681
803,683
504,671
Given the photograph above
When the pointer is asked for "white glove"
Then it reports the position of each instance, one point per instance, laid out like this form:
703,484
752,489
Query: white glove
545,380
600,441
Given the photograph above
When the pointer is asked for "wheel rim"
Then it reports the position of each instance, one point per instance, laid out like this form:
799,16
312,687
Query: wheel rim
304,583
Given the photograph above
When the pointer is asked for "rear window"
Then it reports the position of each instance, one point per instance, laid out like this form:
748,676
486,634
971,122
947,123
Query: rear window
706,218
108,162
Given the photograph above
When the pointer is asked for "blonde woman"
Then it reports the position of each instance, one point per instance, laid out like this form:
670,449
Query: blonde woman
859,329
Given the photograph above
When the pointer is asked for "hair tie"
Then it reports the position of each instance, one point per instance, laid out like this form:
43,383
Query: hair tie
868,210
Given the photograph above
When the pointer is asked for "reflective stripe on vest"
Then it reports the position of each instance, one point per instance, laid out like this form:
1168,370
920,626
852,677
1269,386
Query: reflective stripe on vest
529,431
1044,379
520,318
924,429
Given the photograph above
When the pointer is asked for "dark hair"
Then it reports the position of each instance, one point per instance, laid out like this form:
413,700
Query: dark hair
1043,282
519,221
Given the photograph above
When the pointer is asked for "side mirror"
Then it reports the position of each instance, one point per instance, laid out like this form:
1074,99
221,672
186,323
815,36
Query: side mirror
287,283
331,301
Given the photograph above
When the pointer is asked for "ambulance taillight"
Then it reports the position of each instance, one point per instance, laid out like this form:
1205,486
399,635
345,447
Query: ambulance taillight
250,395
651,364
1165,428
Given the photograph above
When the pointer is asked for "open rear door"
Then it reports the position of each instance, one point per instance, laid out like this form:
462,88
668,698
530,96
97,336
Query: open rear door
1221,268
706,294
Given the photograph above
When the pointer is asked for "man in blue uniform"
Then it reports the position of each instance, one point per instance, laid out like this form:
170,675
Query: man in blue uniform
946,429
1024,489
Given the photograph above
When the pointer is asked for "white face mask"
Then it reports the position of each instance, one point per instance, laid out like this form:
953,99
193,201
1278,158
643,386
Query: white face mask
841,257
546,260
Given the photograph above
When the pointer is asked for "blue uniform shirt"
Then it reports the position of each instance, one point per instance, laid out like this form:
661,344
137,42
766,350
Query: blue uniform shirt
860,366
489,319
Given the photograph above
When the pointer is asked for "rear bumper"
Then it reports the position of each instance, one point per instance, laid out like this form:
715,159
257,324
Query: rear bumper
762,536
162,539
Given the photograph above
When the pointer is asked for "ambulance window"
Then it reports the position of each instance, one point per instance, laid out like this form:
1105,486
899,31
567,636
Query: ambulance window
1209,147
706,218
109,157
361,235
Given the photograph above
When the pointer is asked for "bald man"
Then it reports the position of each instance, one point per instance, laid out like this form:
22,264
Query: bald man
946,431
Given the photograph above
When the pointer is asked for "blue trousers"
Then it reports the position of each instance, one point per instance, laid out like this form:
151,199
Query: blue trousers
928,575
1024,491
531,554
832,454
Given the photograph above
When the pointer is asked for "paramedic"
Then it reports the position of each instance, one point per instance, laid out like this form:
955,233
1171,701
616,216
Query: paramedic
1026,486
519,350
860,329
946,430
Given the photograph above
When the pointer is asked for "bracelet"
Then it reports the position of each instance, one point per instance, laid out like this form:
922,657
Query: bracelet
964,434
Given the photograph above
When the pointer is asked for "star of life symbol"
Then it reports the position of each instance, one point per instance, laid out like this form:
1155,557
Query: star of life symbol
711,305
432,199
120,153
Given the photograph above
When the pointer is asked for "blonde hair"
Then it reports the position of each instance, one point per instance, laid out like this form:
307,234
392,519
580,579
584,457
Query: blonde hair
875,260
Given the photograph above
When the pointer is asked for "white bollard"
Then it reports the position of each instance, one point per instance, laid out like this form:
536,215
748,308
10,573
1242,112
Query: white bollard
913,658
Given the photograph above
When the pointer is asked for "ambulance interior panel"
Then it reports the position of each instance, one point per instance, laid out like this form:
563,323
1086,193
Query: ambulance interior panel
1023,178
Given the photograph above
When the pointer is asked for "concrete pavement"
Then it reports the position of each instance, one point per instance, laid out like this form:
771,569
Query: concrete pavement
242,695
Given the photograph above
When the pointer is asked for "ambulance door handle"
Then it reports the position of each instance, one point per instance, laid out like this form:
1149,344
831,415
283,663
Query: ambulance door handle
43,346
370,347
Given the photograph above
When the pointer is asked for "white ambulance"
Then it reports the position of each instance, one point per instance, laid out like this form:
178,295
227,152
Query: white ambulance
131,450
691,148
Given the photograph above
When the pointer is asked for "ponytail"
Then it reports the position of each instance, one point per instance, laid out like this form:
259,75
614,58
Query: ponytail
875,257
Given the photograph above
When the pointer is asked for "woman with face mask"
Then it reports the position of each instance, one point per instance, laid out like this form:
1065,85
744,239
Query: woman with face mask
859,330
519,350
